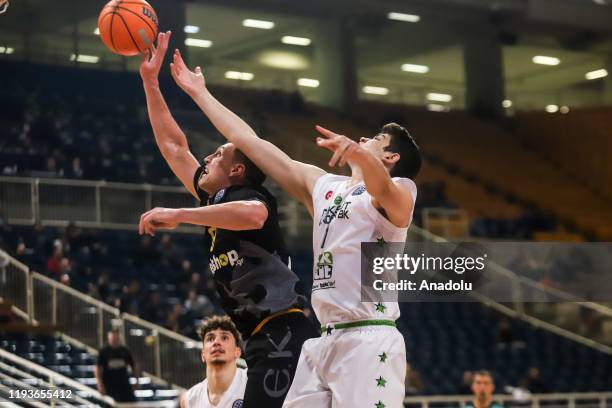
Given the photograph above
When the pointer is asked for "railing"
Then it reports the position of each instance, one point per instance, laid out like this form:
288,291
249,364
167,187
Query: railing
84,321
558,312
573,400
15,369
101,204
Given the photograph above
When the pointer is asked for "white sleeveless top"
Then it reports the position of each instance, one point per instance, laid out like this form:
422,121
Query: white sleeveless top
197,396
344,217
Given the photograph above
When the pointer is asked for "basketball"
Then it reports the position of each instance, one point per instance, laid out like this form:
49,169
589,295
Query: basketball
128,27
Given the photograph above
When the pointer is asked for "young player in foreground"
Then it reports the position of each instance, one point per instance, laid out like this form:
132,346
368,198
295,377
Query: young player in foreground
360,361
225,383
247,254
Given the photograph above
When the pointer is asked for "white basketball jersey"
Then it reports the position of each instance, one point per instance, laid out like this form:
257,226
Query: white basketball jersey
344,217
197,396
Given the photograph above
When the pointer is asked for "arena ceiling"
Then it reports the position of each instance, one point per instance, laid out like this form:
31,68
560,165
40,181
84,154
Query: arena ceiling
577,32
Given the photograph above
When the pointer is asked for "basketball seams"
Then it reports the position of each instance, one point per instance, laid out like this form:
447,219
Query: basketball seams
129,32
100,21
111,31
143,19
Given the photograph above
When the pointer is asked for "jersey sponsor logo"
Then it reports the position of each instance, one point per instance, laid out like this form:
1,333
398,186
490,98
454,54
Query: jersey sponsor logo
325,266
358,191
340,211
329,194
238,403
229,258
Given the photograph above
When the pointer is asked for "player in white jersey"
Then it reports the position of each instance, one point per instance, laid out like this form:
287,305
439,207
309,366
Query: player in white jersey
360,360
225,383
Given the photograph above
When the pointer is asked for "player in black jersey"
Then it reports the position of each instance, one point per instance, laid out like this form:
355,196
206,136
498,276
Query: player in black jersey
247,254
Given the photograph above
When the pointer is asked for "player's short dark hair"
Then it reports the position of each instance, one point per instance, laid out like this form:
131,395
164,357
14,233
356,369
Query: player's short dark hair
219,322
403,143
483,373
252,173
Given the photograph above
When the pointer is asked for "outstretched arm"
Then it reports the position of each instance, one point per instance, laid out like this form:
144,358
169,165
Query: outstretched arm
170,138
395,199
296,178
233,216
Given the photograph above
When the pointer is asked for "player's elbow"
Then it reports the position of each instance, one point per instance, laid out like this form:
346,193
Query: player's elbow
258,214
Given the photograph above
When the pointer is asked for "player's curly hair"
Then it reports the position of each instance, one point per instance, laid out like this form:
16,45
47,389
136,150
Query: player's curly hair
219,322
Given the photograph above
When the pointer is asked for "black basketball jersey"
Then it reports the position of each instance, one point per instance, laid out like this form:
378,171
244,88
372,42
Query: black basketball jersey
250,268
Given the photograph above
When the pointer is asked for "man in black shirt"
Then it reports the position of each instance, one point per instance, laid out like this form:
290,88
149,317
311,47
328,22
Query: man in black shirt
111,369
247,255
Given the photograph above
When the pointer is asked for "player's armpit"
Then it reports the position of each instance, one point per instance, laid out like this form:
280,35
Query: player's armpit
397,202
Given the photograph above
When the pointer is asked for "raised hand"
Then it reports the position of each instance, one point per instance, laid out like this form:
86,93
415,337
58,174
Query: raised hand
343,148
189,81
153,58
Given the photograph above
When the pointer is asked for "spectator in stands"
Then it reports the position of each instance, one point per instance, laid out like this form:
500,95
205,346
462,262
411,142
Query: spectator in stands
76,171
483,387
130,301
534,382
170,254
466,383
112,369
146,252
180,320
154,311
199,304
104,287
53,263
65,279
506,338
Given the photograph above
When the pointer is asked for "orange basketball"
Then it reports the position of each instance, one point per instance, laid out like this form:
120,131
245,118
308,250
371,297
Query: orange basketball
128,27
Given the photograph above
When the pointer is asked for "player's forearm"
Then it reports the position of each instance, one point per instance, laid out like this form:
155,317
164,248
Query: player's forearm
167,132
375,176
289,174
230,125
234,216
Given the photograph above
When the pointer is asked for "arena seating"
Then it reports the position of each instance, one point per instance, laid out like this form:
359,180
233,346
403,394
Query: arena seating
72,362
578,143
445,339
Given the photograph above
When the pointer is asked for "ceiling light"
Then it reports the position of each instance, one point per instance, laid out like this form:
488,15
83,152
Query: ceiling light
564,109
243,76
191,29
600,73
544,60
283,60
375,90
418,69
552,108
195,42
308,82
89,59
434,107
6,50
507,103
252,23
439,97
409,18
291,40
